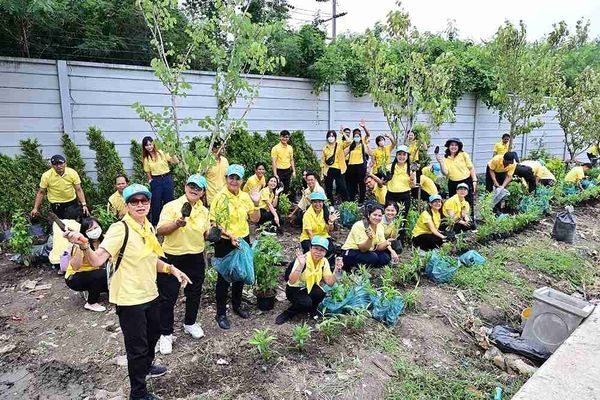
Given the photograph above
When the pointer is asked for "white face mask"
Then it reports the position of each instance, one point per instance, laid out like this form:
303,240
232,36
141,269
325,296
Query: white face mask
331,139
357,139
94,233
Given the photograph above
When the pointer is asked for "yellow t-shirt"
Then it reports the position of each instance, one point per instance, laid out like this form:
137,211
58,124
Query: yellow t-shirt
61,189
459,166
283,155
500,149
304,202
356,156
390,230
379,192
455,205
215,178
428,185
422,227
116,203
135,281
382,158
339,160
323,265
188,239
266,194
546,174
358,234
59,243
593,150
496,164
315,223
400,182
413,151
85,265
160,166
240,206
254,183
575,175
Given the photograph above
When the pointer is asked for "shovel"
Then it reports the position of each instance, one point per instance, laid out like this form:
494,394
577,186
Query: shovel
54,218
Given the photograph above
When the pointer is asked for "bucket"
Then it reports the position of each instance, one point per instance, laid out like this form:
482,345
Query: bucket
525,316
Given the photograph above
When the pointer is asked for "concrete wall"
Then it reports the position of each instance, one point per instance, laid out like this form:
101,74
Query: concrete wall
41,98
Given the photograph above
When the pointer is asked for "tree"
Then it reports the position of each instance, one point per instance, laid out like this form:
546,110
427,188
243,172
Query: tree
523,73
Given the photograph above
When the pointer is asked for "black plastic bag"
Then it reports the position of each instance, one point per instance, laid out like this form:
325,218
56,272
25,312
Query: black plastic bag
509,340
214,234
564,226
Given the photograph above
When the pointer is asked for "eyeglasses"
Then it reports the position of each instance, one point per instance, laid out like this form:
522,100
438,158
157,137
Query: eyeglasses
139,200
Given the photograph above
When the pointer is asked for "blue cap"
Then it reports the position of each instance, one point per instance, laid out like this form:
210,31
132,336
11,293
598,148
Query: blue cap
235,169
134,189
197,180
462,186
320,241
434,197
436,168
402,148
318,195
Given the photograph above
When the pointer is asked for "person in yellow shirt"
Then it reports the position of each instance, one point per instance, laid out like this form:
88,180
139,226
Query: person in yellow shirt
391,229
593,153
156,166
366,242
64,188
401,180
257,181
333,166
528,174
426,234
269,196
215,174
428,187
413,146
357,164
306,277
382,155
501,147
577,174
83,277
116,203
239,206
282,160
135,254
317,222
376,188
457,209
184,223
312,185
500,169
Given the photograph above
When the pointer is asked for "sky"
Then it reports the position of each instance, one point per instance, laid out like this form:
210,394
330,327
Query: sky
475,20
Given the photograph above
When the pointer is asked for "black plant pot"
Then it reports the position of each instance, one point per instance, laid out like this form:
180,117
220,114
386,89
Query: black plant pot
265,303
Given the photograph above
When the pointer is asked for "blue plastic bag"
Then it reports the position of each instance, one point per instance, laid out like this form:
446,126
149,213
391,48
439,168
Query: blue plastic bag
472,258
347,217
387,310
438,269
356,297
237,266
570,189
587,184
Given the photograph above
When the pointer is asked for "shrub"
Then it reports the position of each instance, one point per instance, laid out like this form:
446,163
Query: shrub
108,162
284,205
74,160
20,241
267,256
135,151
517,192
104,216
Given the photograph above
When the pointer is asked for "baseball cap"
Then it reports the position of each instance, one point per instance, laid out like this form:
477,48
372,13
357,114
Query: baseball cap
57,159
402,148
318,195
434,197
235,169
134,189
320,241
462,186
197,180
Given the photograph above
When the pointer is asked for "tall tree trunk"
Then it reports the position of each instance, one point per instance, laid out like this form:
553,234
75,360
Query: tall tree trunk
24,38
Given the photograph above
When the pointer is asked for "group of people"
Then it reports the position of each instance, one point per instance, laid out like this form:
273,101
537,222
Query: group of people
145,274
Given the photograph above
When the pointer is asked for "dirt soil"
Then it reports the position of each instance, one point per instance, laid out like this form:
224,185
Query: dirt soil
52,348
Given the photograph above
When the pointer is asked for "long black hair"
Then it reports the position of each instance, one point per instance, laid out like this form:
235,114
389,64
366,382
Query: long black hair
460,148
396,162
370,209
354,132
146,153
86,223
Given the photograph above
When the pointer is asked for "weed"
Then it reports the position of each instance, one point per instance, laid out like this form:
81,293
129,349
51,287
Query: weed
412,298
357,319
301,334
262,340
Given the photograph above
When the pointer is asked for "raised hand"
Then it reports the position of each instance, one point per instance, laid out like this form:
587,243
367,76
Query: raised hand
279,190
300,257
339,264
334,216
255,196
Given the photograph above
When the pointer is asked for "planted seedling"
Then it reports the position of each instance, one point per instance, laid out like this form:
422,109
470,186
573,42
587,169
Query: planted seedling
262,340
301,334
331,327
357,319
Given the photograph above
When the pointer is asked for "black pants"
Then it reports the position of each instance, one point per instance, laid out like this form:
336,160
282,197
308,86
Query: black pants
335,175
302,301
222,248
547,182
525,172
141,329
94,282
376,258
168,289
69,210
266,216
469,197
285,175
355,182
489,183
414,192
427,241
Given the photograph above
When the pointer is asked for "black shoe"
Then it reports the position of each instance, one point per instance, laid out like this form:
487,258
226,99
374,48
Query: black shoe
156,371
242,313
283,317
223,321
148,396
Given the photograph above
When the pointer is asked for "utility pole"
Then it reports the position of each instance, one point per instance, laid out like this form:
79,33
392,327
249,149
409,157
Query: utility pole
334,21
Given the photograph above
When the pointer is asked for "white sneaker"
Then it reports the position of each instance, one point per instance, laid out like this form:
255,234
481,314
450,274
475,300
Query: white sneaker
165,344
94,307
194,330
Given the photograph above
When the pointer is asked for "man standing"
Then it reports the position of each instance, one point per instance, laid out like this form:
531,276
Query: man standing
64,188
501,147
282,160
116,202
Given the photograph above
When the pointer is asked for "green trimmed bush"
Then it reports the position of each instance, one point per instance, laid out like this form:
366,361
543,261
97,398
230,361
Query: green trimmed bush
108,162
75,161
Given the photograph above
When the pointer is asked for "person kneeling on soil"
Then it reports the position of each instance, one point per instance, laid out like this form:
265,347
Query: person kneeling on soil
184,224
81,276
457,209
366,242
308,273
577,174
315,223
376,189
269,196
135,252
426,234
312,185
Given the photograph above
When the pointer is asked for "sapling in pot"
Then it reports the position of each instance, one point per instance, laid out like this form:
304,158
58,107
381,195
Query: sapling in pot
267,257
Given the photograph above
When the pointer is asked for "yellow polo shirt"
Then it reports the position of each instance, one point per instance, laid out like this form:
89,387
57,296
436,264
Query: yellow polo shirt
594,150
382,158
116,203
160,166
61,189
358,234
283,155
356,156
413,151
84,267
575,175
240,206
459,166
422,225
323,265
496,164
455,205
304,202
266,195
390,230
215,178
500,149
379,192
400,181
59,243
135,281
339,160
428,185
546,174
188,239
254,183
315,223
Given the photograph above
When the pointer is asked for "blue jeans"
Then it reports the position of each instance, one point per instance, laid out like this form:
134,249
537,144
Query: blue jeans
353,258
162,193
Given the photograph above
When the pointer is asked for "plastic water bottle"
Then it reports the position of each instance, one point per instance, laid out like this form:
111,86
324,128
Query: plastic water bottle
498,395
